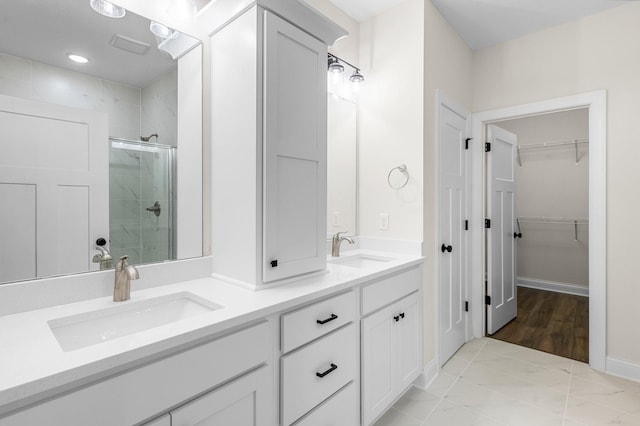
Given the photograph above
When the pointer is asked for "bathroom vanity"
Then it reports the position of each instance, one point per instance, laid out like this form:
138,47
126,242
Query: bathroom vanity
338,348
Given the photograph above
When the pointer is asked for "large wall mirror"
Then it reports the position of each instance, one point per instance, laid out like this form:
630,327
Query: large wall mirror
94,149
342,169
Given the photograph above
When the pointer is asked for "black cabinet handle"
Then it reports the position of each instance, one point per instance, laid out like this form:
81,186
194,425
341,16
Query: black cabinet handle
331,318
274,263
397,318
402,315
517,235
446,248
333,368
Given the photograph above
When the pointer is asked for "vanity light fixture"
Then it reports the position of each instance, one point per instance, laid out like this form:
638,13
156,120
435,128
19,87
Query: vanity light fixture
162,31
356,79
103,7
335,66
77,58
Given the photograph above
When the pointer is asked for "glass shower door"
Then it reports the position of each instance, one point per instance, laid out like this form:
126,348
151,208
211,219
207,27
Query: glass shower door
142,201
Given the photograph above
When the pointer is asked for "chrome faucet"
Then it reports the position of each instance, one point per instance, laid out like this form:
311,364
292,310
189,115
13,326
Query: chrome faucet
124,274
103,258
336,241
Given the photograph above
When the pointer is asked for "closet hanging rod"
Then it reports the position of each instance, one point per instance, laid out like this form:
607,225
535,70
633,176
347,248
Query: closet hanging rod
553,220
555,143
574,142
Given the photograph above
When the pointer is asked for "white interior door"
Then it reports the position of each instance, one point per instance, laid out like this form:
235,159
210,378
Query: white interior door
54,186
451,219
501,244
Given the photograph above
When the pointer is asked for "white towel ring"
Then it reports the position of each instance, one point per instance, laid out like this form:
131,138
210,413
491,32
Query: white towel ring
402,168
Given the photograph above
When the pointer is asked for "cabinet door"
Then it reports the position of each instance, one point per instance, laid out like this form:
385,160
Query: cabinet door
378,372
295,151
407,340
243,402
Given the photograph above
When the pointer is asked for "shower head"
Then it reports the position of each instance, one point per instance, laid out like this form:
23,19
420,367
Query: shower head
146,139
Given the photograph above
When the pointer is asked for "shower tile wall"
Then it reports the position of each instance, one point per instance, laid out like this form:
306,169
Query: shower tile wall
27,79
137,180
159,109
154,173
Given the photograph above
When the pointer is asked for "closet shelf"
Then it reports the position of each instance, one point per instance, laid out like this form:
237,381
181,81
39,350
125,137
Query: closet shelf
554,220
574,142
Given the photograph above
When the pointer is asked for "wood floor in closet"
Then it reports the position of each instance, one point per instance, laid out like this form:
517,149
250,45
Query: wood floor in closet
552,322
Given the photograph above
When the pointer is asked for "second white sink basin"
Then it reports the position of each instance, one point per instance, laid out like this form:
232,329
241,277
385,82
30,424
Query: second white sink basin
360,260
90,328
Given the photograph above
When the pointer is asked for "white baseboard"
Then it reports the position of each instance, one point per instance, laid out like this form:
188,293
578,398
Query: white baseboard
428,375
578,290
624,369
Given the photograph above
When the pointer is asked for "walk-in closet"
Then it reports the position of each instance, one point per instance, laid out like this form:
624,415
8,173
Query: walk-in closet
551,234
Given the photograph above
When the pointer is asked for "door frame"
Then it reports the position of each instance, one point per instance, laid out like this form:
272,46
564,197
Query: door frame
443,101
596,103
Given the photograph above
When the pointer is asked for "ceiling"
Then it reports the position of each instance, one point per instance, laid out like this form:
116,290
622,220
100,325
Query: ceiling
483,23
46,30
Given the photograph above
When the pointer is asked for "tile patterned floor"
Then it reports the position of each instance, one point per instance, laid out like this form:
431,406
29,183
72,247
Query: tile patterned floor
489,382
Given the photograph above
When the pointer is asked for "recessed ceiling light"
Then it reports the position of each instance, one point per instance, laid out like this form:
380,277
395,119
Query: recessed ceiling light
77,58
103,7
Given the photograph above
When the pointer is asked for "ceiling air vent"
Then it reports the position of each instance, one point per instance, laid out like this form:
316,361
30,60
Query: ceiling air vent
129,44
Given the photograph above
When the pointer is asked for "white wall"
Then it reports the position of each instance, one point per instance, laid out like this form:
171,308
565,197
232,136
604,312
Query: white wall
550,184
159,110
593,53
390,114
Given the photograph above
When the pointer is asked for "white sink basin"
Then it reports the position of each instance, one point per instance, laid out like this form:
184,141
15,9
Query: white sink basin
90,328
360,260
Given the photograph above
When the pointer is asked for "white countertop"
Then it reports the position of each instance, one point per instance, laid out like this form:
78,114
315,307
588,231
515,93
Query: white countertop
34,366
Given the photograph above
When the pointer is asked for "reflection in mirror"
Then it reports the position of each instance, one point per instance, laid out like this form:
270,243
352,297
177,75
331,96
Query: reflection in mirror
89,148
341,166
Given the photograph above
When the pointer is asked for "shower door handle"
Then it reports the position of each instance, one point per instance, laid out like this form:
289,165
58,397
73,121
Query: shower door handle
156,209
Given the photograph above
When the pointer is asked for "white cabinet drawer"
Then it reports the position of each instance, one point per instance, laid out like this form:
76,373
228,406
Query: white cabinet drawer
342,409
390,289
311,322
333,357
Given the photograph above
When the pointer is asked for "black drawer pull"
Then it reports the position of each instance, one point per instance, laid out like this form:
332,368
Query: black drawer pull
402,315
333,368
331,318
397,318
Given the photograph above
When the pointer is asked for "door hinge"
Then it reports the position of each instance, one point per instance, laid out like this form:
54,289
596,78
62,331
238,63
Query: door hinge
466,143
487,223
487,147
466,306
487,300
466,225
